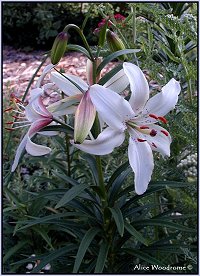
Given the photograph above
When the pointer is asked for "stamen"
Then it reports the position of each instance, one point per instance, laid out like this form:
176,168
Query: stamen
165,132
17,127
21,105
9,123
18,112
141,140
153,132
8,109
144,127
10,129
153,116
17,117
154,145
162,119
21,122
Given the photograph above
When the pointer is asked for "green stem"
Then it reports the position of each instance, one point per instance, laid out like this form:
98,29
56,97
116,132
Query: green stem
101,182
133,10
67,146
80,32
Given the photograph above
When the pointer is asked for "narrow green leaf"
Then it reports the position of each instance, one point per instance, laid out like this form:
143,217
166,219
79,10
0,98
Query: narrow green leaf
47,219
119,220
78,48
13,250
164,222
92,163
110,74
44,235
168,52
103,252
87,239
113,56
135,233
66,178
119,181
144,256
55,255
66,129
117,173
71,194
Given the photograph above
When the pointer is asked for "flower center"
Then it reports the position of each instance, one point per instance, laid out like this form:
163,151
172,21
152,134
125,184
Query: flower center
142,129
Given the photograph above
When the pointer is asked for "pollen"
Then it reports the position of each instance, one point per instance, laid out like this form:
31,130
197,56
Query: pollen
162,119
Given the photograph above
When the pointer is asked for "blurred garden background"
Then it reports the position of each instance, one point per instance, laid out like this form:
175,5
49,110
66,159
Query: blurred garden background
165,218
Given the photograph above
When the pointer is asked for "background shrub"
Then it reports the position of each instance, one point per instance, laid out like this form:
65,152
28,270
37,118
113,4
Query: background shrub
35,25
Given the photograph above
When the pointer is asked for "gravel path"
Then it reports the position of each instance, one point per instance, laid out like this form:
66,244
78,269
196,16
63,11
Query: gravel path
18,68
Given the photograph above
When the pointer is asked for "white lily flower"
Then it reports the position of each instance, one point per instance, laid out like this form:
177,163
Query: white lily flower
138,118
74,86
35,115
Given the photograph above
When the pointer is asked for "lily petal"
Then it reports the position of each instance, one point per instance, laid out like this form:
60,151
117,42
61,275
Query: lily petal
113,109
161,141
163,102
19,151
36,110
141,160
35,93
46,70
65,106
139,86
118,82
84,118
32,148
105,143
36,150
66,86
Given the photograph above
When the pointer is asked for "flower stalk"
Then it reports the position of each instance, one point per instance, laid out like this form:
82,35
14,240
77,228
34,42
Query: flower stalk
80,32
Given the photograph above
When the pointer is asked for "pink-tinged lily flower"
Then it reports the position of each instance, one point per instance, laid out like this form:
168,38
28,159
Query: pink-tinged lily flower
37,117
138,117
74,86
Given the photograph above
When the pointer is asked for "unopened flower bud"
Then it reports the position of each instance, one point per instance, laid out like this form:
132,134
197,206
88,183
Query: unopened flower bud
89,70
115,43
59,47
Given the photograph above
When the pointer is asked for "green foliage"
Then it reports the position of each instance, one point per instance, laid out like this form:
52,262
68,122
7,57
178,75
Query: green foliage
35,25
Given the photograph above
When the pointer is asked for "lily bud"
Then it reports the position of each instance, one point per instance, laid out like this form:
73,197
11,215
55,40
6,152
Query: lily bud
59,47
84,118
115,43
89,70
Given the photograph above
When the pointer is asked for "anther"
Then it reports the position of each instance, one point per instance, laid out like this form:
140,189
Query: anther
154,145
162,119
144,127
10,129
8,109
141,140
153,116
165,132
153,132
9,123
